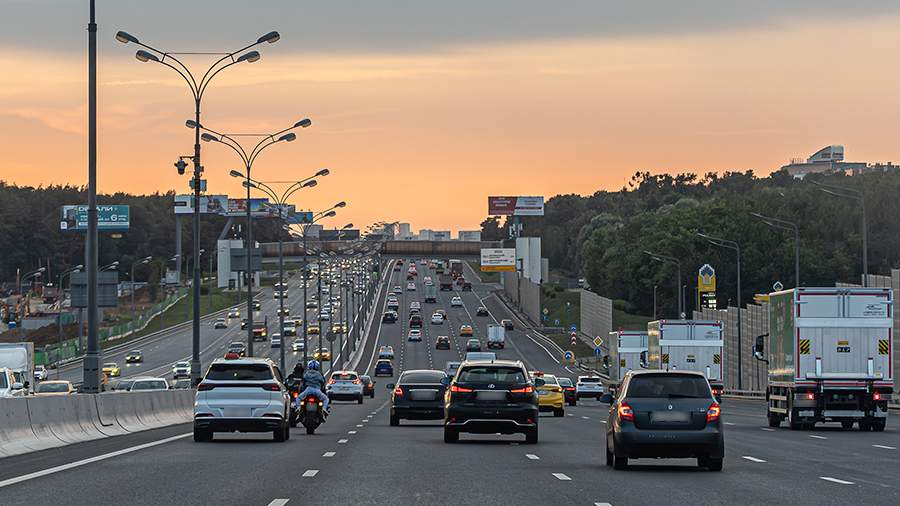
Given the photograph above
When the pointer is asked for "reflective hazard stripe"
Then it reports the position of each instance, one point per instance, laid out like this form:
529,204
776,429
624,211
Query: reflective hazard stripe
804,346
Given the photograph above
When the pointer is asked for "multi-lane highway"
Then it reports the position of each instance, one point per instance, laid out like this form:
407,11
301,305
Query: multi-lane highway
357,458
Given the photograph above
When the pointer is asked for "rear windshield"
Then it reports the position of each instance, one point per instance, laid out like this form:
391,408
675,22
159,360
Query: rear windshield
550,380
668,385
3,383
491,374
150,385
239,372
590,379
422,377
344,377
52,387
565,382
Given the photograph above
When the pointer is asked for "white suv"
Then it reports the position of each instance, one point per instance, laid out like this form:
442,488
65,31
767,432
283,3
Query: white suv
588,386
145,384
9,385
345,385
242,395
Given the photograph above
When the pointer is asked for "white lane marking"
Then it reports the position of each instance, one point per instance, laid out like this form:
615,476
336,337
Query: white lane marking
342,441
309,473
729,423
767,429
359,425
278,502
752,459
569,414
885,447
366,420
586,418
351,432
602,421
602,504
329,454
817,437
562,477
79,463
835,480
532,456
374,412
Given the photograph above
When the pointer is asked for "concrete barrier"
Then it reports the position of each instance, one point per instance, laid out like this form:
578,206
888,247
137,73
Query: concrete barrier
15,427
67,419
106,415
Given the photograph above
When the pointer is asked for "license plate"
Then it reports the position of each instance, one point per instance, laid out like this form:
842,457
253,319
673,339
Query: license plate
543,392
670,417
491,396
237,412
423,395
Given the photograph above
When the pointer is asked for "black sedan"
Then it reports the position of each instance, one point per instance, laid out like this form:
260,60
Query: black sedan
481,311
368,386
389,317
418,395
664,414
568,390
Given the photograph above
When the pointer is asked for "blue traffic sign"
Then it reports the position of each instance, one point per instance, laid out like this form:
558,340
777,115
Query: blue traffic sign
573,328
598,351
568,355
545,317
556,322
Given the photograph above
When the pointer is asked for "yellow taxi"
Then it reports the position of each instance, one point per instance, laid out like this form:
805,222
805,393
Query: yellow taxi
338,328
112,370
312,330
550,395
298,321
465,331
322,354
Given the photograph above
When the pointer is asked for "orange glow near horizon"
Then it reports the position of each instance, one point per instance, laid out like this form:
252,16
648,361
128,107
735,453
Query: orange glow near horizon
425,137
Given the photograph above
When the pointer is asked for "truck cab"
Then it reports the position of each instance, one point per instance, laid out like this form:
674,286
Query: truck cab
10,386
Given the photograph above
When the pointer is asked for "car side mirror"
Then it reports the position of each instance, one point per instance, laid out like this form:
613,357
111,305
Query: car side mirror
606,398
644,363
390,386
27,384
445,381
759,348
539,382
17,386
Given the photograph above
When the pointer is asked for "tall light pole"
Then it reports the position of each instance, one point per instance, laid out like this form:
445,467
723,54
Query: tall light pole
247,158
91,362
62,297
143,261
281,201
198,87
790,227
854,194
343,327
732,245
678,294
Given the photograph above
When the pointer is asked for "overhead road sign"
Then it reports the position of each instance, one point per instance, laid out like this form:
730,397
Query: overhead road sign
110,218
498,260
515,206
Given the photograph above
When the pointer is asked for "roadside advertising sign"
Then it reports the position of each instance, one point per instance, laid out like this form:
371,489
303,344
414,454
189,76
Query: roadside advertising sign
209,204
498,260
110,218
515,206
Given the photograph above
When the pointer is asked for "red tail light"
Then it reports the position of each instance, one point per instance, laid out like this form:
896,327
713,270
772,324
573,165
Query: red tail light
331,381
712,414
356,381
625,412
570,388
272,387
527,390
204,387
458,389
398,392
810,396
876,396
296,394
312,398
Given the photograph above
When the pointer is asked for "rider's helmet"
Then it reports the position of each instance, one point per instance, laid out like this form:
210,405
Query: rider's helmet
313,365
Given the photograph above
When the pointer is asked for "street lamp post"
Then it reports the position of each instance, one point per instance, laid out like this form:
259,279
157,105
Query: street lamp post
150,54
854,194
62,276
790,227
247,158
732,245
678,294
143,261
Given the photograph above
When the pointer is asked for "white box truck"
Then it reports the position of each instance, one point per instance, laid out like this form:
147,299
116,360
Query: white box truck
496,336
630,345
829,357
19,358
688,345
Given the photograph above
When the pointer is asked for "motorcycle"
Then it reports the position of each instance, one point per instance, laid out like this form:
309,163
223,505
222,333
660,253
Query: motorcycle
294,391
310,413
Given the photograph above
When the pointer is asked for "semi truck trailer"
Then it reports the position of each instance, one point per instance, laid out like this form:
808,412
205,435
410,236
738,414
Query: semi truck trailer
829,357
631,344
687,345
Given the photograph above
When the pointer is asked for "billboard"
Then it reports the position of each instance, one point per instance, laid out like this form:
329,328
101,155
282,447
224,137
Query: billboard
299,217
515,206
110,218
209,204
259,208
498,260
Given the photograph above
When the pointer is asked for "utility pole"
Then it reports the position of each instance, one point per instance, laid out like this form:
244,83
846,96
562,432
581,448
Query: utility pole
91,362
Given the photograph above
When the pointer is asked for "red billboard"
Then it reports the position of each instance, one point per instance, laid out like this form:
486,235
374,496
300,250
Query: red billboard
515,206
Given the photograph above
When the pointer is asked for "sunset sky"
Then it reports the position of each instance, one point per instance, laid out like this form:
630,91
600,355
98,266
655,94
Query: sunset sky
423,108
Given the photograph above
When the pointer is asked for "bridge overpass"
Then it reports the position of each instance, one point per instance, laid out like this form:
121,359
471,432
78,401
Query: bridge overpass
388,249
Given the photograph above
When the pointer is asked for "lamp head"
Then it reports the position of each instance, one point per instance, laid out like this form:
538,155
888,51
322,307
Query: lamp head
191,124
144,56
125,37
235,173
271,38
309,184
323,172
209,137
341,204
288,137
249,57
303,123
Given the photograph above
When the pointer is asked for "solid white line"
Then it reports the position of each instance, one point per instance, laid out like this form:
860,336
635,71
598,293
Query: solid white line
562,477
602,421
885,447
329,454
79,463
342,441
817,437
309,473
532,456
278,502
835,480
753,459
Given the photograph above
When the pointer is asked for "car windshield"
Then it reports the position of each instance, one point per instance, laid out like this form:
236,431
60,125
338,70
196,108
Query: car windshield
135,352
182,364
491,374
422,377
345,376
124,385
668,385
150,385
52,388
3,382
109,364
239,372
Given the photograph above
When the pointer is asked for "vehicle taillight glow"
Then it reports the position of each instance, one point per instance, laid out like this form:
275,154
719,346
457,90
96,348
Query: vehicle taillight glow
272,387
712,414
356,381
459,389
204,387
811,396
527,390
625,412
331,381
296,394
398,392
570,388
876,396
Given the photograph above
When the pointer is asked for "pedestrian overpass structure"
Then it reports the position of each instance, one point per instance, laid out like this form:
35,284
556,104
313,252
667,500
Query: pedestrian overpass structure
293,250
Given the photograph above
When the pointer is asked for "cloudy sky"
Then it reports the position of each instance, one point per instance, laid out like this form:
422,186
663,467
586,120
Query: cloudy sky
423,108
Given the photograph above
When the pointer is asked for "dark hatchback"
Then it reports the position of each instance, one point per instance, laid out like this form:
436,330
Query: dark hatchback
568,390
662,414
368,386
442,343
418,395
415,321
389,317
492,397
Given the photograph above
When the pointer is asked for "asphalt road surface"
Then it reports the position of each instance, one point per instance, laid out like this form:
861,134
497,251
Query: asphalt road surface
357,458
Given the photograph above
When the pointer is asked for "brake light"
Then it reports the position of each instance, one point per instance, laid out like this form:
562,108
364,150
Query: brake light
458,389
296,394
398,392
625,412
272,387
712,414
205,387
356,381
876,396
570,388
810,396
527,390
331,381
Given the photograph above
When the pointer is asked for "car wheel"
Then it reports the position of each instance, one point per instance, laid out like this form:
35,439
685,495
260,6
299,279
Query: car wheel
847,424
609,454
531,437
878,424
619,462
360,400
287,432
278,435
450,436
775,420
558,413
395,421
202,436
712,464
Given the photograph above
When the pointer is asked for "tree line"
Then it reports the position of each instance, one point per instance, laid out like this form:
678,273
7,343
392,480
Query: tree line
602,237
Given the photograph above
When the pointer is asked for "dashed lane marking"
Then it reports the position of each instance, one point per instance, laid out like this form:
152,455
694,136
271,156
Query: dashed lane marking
767,429
729,423
329,454
309,473
835,480
752,459
602,504
585,418
562,477
278,502
817,437
342,441
883,447
532,456
351,432
359,425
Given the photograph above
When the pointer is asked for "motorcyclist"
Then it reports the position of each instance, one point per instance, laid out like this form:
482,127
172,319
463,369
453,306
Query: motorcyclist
296,376
314,384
